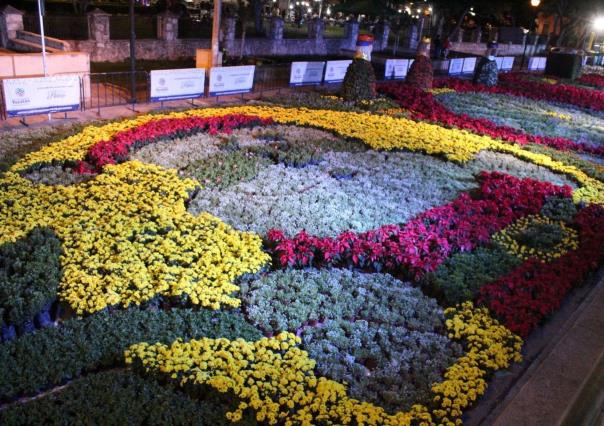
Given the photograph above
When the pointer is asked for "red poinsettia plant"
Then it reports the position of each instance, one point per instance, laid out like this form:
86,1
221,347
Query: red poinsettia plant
425,107
425,242
534,290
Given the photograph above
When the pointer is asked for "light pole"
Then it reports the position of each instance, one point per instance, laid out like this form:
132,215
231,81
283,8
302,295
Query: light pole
535,4
216,31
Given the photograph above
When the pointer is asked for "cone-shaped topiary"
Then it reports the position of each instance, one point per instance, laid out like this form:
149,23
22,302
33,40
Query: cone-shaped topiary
359,82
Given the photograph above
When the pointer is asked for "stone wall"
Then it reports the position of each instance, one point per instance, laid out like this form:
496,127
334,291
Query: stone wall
507,49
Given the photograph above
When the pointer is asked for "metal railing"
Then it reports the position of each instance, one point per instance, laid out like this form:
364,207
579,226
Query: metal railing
115,88
108,89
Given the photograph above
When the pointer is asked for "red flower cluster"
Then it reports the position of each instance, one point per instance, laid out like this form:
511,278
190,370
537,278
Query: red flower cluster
425,242
517,85
595,80
117,148
424,106
534,290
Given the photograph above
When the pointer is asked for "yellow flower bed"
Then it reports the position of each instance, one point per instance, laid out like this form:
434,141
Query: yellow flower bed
128,237
275,378
506,238
441,90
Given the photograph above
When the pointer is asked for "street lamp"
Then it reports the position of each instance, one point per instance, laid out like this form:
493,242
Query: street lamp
535,3
598,23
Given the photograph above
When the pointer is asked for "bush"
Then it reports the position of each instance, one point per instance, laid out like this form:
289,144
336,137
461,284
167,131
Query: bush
54,355
462,276
120,398
30,272
359,82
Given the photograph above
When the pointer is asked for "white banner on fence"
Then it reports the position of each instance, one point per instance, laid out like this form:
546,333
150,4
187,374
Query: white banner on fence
508,63
396,69
336,71
41,95
185,83
537,63
455,66
306,73
469,65
231,80
499,62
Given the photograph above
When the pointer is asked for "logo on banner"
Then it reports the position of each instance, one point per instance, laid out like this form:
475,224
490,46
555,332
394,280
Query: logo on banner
162,81
19,91
219,77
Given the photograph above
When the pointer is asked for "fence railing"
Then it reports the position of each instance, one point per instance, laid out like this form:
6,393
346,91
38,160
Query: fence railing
64,27
107,89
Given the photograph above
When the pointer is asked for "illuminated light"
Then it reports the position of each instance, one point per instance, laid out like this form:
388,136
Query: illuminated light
535,3
598,23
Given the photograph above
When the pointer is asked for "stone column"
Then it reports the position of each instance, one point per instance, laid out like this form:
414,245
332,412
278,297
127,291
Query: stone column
167,26
276,28
382,32
412,37
229,29
98,27
316,27
477,36
11,21
352,32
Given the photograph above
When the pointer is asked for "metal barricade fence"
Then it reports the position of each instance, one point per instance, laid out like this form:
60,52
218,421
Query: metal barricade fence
115,88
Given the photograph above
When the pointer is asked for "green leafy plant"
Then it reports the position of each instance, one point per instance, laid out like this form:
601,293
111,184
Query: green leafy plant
461,276
30,271
120,397
558,208
52,356
289,154
225,169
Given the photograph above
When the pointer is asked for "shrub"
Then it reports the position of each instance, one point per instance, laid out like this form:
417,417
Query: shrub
359,82
120,398
30,272
54,355
461,277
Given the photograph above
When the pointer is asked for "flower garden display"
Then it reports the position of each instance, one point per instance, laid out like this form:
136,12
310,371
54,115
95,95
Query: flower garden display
284,265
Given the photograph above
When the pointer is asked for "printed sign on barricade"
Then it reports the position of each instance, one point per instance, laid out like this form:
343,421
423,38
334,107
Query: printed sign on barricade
169,85
306,73
469,65
455,66
537,63
499,62
508,63
396,69
231,80
336,71
41,95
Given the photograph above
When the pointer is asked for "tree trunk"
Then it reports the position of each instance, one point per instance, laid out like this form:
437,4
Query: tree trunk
242,46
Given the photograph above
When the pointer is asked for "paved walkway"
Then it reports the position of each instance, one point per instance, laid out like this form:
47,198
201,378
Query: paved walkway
565,384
